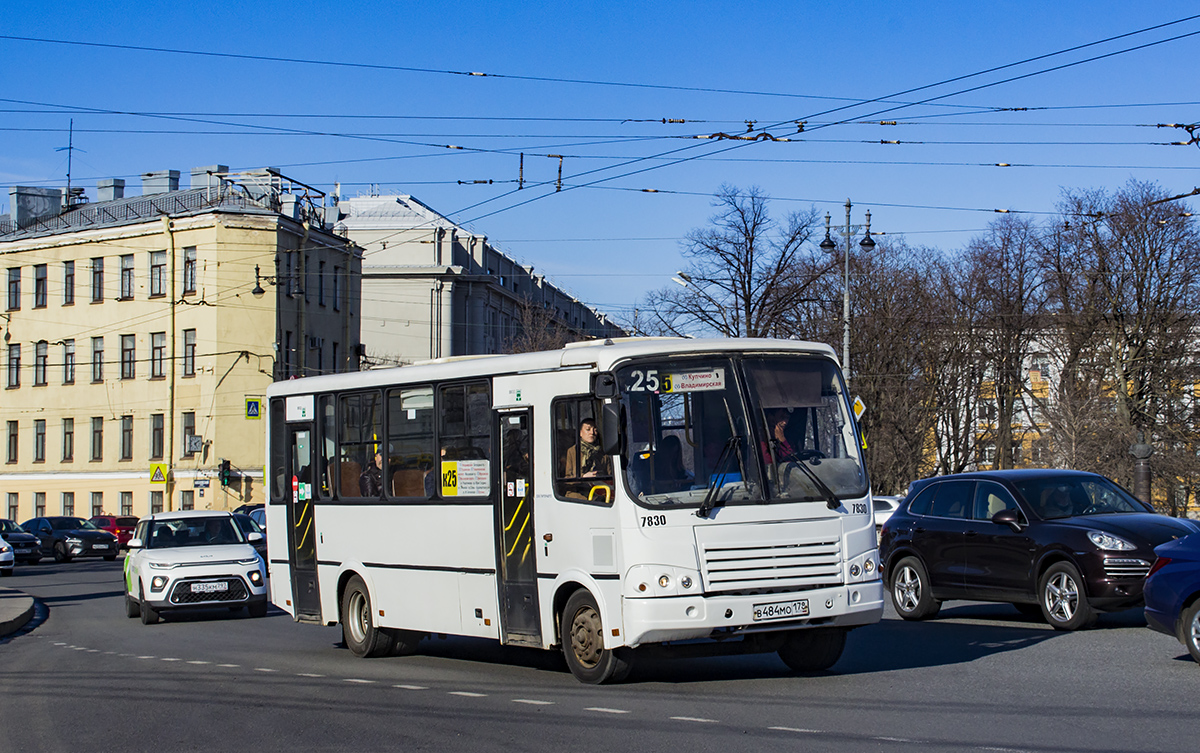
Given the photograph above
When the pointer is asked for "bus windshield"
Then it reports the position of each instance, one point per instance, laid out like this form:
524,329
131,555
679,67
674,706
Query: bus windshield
693,439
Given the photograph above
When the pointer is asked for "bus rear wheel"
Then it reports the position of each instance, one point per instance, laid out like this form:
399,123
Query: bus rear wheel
814,649
583,643
358,626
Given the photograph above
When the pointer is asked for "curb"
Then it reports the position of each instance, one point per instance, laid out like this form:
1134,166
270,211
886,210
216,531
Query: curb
16,609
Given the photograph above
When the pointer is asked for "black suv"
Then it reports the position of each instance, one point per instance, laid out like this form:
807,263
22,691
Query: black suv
1063,544
66,538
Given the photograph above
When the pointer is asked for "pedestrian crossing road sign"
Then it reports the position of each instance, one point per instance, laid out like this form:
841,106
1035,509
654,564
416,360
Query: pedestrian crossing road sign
158,473
253,404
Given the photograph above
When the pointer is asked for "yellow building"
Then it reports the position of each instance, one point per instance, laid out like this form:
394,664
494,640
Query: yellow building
140,334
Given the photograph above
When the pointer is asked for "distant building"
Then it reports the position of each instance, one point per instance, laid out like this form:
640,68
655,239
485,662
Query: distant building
433,289
140,332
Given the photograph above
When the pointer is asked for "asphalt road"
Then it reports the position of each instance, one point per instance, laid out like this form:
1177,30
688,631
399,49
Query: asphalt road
82,676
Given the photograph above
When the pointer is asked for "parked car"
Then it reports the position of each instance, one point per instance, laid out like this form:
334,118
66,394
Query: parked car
1065,544
26,547
883,506
1173,592
66,538
120,526
192,559
7,561
248,526
259,515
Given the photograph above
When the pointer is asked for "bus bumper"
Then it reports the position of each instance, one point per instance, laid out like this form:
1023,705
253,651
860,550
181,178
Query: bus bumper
662,619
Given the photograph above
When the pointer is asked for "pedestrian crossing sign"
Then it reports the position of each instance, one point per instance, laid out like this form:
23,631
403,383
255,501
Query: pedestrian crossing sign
253,404
158,473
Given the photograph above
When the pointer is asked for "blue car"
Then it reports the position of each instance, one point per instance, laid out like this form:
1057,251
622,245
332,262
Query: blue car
1173,592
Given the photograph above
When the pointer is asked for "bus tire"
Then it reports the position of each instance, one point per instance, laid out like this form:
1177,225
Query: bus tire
404,642
583,643
358,624
814,649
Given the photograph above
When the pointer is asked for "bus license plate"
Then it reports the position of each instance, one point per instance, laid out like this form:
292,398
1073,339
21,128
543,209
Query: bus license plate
205,588
781,610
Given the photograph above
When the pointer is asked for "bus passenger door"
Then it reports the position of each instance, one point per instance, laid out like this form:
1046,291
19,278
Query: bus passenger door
302,532
518,571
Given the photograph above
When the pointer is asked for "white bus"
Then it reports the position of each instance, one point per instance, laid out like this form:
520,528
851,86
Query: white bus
601,497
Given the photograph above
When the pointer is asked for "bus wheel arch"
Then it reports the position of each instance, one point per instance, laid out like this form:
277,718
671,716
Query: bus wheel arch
356,612
581,632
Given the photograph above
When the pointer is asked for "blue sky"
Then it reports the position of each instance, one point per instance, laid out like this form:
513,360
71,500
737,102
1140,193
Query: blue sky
767,62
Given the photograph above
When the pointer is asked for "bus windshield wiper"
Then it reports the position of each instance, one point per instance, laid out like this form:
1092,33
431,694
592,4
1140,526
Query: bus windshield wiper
717,479
831,500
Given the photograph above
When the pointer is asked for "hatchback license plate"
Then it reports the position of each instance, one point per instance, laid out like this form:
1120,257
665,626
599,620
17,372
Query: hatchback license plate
781,610
22,551
99,546
205,588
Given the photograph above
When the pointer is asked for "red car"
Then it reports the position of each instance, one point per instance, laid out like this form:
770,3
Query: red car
120,526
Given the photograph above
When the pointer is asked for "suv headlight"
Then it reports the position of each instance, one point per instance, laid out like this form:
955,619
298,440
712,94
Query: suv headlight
1108,542
4,547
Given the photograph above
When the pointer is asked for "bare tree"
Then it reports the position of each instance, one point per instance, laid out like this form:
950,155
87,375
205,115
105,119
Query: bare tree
536,329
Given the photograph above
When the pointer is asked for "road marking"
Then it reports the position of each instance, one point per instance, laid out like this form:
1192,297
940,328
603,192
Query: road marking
265,669
147,657
60,644
603,710
796,729
411,687
360,682
468,694
308,674
1003,750
171,658
197,661
895,739
694,719
533,702
229,666
79,648
95,651
109,653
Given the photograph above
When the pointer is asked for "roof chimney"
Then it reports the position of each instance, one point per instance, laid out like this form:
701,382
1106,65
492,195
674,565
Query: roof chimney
27,203
207,176
160,182
110,189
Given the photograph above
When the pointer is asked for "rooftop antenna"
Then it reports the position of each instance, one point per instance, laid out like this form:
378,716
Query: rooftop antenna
69,149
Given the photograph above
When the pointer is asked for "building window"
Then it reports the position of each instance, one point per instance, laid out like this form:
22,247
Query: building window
189,352
189,270
158,354
321,283
39,504
287,356
156,436
307,278
337,289
126,277
41,292
156,502
41,359
97,359
158,274
98,279
97,438
68,362
189,430
97,503
187,499
128,354
68,503
333,363
127,503
68,283
14,506
12,442
127,437
14,288
39,440
14,366
68,447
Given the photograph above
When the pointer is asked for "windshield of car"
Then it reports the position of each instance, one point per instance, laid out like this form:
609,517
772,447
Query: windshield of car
7,526
1067,496
71,524
167,533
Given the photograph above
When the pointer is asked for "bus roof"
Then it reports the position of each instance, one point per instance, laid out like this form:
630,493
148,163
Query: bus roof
592,354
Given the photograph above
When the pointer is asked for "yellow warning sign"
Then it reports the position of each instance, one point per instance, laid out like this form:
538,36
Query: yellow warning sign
159,473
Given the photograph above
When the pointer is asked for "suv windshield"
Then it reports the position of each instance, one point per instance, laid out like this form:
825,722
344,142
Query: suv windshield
7,526
204,531
1068,496
71,524
692,439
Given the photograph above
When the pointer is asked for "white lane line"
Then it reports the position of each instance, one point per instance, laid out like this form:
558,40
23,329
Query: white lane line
125,655
79,648
411,687
308,674
59,644
895,739
360,682
171,658
265,669
533,702
229,666
197,661
694,719
109,653
796,729
95,651
147,657
468,694
603,710
1002,750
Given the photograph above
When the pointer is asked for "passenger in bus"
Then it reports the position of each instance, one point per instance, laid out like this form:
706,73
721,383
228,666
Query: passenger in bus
777,424
370,482
587,460
433,477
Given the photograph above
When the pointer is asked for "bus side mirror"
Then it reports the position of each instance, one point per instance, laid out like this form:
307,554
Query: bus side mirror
610,440
604,385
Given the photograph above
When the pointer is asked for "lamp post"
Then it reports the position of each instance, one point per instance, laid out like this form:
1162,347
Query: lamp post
829,247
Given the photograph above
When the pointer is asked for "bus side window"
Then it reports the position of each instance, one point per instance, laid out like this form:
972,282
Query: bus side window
328,446
581,470
360,438
279,449
410,442
464,440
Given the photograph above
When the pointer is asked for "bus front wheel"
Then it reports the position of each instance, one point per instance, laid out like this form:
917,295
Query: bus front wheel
362,637
813,649
583,643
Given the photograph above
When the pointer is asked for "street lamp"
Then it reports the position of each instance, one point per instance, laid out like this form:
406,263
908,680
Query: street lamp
829,247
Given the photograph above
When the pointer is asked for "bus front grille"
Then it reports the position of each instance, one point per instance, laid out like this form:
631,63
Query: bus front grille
774,567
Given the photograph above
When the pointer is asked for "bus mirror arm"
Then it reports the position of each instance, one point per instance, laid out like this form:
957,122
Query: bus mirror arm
611,429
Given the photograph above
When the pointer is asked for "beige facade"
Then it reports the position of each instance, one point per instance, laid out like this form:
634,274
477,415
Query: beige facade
122,337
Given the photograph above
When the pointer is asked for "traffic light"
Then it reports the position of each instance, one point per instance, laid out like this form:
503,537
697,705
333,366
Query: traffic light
226,473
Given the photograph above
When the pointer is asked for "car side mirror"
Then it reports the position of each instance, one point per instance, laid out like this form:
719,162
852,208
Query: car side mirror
134,544
1010,518
254,537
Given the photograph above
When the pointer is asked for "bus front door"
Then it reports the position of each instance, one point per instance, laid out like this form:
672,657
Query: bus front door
518,570
302,544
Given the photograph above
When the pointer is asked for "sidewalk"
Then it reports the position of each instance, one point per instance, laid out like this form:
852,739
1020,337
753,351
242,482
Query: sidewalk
16,609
